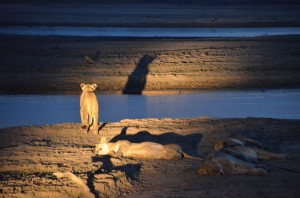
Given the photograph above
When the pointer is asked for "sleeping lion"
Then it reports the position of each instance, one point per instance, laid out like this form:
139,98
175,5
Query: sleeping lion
144,150
237,157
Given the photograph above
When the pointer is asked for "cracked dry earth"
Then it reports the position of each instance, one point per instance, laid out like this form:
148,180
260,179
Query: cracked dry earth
30,155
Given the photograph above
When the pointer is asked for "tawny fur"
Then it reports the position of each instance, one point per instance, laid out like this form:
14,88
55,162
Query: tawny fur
144,150
237,156
89,107
246,149
223,163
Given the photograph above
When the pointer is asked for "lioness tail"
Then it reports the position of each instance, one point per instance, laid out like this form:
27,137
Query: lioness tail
187,156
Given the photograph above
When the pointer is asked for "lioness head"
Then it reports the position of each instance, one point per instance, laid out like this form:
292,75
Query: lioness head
102,147
219,144
211,167
88,87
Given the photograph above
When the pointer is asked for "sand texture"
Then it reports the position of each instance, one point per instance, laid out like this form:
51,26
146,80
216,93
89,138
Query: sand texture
43,65
31,155
58,160
57,65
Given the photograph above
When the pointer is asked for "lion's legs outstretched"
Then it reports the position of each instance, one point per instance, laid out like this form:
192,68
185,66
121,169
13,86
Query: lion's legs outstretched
266,155
235,166
246,169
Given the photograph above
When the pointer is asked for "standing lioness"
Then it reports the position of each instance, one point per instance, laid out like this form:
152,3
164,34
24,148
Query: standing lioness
89,107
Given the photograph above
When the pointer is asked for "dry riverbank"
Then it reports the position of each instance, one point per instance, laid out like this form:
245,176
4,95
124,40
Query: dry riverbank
45,65
30,155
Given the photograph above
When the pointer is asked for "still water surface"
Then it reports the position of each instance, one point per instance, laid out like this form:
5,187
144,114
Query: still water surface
149,32
37,110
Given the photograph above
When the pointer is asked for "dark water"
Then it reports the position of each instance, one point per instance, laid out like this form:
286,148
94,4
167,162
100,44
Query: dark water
37,110
150,32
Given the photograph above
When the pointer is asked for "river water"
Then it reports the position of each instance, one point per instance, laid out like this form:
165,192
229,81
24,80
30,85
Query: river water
20,110
149,32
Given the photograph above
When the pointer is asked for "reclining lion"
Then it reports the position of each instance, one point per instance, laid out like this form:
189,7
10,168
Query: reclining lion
222,163
246,149
144,150
237,156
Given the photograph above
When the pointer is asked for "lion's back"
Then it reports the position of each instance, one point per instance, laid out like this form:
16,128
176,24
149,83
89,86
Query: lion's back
88,101
152,150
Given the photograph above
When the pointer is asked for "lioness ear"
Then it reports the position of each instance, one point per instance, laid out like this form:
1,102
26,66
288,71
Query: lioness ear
103,140
81,86
94,86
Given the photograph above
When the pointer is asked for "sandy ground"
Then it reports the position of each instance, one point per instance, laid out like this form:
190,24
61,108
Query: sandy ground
43,65
56,65
30,155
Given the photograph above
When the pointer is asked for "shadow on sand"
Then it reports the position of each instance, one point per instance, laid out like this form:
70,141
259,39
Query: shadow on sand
131,170
137,79
188,144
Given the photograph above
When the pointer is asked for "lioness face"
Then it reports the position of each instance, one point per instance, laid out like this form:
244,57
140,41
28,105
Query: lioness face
211,167
101,149
218,145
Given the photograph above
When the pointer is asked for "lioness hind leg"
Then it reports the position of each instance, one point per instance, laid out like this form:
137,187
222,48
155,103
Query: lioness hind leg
173,152
95,124
246,169
84,118
257,172
265,155
90,123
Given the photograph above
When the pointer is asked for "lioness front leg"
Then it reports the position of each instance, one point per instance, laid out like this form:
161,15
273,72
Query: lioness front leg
115,154
255,172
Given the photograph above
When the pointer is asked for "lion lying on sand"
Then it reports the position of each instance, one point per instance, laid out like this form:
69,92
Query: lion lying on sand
144,150
237,157
246,149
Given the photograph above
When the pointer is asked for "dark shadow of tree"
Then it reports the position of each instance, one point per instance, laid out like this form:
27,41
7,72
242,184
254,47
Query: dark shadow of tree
137,79
188,143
